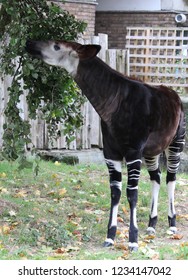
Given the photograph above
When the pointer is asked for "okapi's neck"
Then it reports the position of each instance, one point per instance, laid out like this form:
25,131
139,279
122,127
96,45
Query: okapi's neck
101,85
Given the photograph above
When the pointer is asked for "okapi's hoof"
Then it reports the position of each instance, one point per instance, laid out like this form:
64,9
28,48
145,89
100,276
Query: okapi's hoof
133,247
108,243
172,230
151,231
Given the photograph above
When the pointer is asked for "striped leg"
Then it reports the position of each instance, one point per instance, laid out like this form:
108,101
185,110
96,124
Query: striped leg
114,168
133,168
173,161
155,175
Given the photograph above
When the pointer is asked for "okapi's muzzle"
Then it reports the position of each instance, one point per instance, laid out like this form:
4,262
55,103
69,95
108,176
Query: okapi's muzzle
33,48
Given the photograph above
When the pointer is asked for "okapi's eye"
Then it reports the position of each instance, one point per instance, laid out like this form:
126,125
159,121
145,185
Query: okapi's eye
56,47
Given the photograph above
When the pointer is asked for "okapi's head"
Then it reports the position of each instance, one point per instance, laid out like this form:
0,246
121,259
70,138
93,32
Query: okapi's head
62,53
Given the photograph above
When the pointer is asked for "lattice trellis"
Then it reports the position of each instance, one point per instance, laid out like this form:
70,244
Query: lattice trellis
159,55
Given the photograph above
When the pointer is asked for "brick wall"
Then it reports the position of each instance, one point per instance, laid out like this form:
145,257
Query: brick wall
114,23
84,11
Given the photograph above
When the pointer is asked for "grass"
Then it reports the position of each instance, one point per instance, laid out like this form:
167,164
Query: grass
63,214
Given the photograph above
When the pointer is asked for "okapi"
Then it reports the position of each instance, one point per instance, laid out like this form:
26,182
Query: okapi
138,120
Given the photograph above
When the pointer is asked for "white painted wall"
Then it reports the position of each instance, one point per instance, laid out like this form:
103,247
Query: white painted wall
178,5
133,5
141,5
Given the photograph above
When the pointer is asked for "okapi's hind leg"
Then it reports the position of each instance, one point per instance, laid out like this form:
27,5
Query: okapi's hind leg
155,176
114,168
173,160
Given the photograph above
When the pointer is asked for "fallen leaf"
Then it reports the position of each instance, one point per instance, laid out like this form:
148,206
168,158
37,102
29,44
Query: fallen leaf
4,191
182,216
62,192
124,210
89,210
41,240
57,163
155,257
76,232
54,176
22,193
98,219
14,224
3,175
61,250
121,246
148,252
184,244
74,223
176,236
124,256
88,203
5,229
12,213
23,255
1,245
37,193
120,220
149,238
121,235
51,193
31,216
78,187
142,244
118,232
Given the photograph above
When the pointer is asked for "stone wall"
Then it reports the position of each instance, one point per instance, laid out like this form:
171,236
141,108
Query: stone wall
82,10
114,23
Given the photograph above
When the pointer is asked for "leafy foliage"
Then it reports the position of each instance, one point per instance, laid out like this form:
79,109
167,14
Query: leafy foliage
51,93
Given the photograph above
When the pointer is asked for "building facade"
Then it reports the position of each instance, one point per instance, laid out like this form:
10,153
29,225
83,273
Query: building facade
112,17
82,10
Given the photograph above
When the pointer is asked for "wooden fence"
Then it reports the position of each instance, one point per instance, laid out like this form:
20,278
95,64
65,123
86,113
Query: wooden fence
90,133
158,55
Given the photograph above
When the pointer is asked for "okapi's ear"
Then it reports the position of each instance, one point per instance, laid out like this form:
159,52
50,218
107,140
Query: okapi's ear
88,51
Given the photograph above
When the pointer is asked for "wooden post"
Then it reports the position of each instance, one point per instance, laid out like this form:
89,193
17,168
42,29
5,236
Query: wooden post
127,62
147,53
103,41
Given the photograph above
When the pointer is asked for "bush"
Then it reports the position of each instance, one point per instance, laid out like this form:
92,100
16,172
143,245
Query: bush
50,91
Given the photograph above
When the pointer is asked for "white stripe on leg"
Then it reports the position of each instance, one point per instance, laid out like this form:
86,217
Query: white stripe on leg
114,216
171,189
155,194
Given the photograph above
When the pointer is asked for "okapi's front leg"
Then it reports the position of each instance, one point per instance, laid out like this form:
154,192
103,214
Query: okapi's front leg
155,177
114,168
133,168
